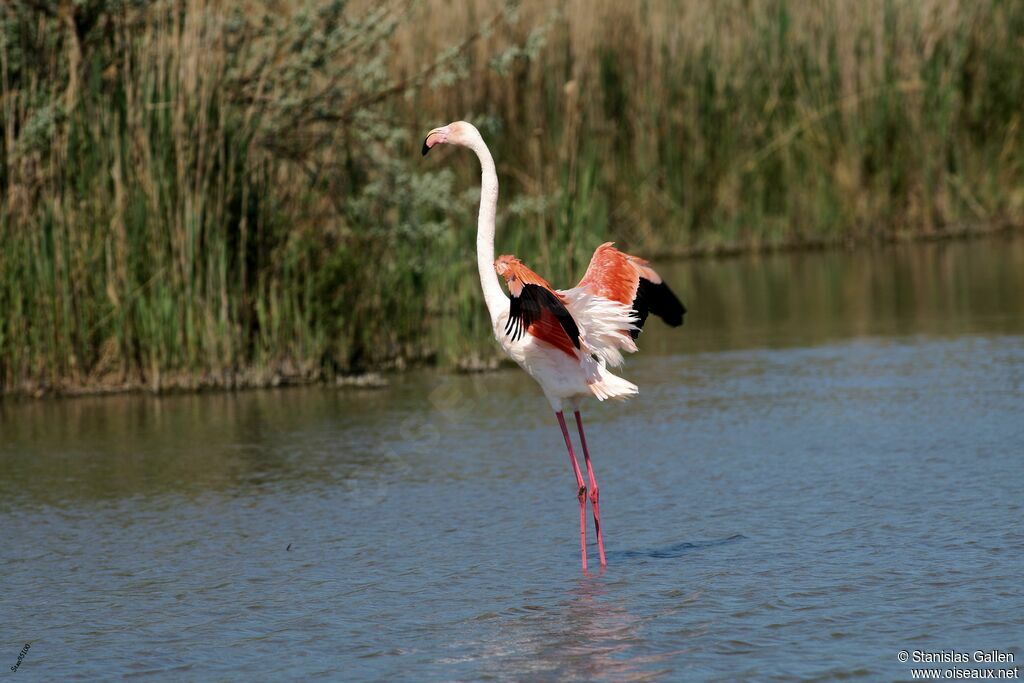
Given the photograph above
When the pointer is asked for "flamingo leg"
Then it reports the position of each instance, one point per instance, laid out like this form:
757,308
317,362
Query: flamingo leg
581,491
593,489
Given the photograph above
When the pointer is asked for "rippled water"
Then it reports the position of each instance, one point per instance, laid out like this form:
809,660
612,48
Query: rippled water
824,468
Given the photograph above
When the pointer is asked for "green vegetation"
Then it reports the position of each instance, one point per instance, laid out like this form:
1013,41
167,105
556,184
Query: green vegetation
198,192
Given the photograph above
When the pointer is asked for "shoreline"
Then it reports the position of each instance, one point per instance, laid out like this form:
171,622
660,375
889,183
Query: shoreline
291,374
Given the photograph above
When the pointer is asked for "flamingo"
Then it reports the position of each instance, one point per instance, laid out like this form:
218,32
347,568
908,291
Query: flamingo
565,339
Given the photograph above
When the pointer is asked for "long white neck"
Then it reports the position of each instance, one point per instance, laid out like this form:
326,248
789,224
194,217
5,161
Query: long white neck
495,297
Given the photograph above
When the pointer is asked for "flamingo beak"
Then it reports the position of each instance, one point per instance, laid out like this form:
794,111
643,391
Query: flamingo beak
435,137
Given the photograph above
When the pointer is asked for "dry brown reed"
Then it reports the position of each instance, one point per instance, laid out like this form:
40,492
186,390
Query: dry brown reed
198,192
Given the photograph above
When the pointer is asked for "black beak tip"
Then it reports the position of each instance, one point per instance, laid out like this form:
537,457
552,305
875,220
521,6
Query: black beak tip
425,148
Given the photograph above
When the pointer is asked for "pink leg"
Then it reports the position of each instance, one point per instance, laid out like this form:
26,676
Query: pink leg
582,491
593,489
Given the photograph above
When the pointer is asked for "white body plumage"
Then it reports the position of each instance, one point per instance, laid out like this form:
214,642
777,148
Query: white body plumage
601,323
565,339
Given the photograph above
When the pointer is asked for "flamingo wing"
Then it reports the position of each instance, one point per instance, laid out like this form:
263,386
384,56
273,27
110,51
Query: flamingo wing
630,280
536,308
531,309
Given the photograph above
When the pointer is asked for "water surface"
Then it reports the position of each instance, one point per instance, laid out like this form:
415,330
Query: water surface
824,467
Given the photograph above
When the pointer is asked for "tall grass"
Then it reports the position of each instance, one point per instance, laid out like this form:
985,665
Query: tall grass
200,192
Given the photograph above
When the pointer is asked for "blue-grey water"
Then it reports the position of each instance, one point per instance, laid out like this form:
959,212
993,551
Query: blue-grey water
825,467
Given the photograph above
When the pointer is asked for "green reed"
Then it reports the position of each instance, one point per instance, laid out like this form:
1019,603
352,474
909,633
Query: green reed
198,195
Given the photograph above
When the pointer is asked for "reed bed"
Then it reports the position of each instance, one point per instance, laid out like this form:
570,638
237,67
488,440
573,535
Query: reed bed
203,193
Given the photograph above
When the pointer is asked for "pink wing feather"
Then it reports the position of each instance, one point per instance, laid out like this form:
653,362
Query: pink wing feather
541,307
630,280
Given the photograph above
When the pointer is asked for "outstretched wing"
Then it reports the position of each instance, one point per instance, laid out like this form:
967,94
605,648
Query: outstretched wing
529,308
657,298
628,279
535,308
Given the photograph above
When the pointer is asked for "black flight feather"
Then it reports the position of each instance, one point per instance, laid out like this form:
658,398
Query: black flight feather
525,309
659,300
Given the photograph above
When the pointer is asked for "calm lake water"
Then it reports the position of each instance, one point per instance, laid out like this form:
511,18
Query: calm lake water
825,467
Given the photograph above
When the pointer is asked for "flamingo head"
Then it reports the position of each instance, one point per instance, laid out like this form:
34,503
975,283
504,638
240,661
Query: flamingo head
457,133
